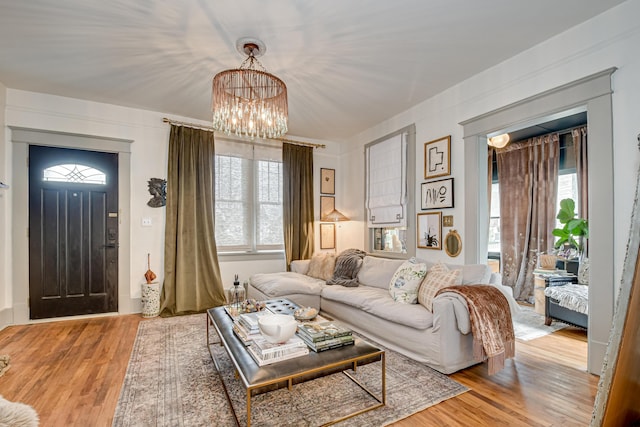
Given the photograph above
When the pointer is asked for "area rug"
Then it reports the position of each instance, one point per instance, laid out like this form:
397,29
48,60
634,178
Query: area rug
529,325
171,381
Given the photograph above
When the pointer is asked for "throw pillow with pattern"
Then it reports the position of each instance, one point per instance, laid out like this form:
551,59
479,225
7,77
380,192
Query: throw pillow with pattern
438,277
405,282
321,265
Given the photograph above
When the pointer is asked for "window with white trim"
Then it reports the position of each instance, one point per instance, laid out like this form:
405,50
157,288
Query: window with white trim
248,198
389,194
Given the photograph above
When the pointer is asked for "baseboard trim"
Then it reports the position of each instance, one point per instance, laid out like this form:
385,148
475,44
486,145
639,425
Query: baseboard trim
135,305
19,315
6,318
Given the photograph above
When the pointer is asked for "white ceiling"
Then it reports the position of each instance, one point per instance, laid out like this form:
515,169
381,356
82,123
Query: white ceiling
348,64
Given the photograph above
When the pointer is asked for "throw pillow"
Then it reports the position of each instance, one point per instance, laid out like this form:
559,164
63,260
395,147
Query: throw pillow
321,265
348,264
438,277
405,282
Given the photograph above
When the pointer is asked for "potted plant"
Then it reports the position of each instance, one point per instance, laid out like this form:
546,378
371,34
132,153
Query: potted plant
574,231
572,237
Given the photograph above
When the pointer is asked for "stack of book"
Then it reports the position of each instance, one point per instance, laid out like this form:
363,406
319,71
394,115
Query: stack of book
265,353
321,336
246,327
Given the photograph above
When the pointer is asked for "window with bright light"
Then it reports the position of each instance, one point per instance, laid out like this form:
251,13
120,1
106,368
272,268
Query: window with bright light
79,174
494,220
248,198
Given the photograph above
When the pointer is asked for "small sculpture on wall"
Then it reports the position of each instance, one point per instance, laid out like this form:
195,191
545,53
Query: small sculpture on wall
158,189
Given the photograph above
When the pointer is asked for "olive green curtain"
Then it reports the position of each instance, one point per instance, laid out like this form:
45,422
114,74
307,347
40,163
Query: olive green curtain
297,202
192,280
528,177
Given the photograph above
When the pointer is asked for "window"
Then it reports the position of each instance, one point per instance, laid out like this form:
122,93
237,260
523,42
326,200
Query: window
389,193
248,197
75,173
494,220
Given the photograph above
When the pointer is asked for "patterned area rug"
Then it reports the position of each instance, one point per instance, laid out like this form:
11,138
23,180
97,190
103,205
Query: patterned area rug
171,381
529,325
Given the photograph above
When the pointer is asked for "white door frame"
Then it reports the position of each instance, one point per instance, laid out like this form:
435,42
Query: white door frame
21,138
593,95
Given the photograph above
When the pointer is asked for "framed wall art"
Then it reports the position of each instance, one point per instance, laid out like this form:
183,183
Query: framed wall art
327,204
327,236
437,194
437,157
430,230
327,181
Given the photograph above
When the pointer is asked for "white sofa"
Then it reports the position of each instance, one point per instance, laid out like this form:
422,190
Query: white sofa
441,339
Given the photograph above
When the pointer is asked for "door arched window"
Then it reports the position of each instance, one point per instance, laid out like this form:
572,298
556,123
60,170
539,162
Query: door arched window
80,174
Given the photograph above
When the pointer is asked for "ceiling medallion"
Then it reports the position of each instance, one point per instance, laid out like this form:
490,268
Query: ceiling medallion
249,101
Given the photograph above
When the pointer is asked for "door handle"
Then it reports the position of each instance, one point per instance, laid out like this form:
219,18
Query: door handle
111,245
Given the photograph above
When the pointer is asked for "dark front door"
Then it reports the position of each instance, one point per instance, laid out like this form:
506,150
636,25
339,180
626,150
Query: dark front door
73,232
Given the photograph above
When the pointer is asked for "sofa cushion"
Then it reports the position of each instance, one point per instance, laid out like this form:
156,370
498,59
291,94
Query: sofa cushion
286,283
472,274
377,302
321,265
405,282
377,271
439,276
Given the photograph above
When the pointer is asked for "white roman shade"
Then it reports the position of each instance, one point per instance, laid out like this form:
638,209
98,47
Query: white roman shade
252,151
386,182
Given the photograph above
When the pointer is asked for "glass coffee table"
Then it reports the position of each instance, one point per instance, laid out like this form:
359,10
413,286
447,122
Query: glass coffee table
263,379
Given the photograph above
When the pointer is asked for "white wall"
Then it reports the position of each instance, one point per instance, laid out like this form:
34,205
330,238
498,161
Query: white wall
148,160
608,40
5,288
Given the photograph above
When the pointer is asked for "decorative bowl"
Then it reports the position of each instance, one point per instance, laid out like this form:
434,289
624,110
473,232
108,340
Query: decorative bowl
277,328
305,313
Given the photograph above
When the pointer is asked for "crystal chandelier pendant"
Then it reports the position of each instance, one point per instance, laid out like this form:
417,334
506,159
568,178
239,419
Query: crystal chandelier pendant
249,101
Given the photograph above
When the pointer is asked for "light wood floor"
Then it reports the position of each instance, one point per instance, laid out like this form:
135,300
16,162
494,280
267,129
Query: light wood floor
71,373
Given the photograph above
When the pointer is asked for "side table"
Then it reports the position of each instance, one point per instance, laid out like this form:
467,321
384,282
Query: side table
543,280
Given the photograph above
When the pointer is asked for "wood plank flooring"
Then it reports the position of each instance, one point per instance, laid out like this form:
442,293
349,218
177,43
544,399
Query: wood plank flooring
71,372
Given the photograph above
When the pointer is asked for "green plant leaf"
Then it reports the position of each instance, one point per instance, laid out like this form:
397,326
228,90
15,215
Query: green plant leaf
567,211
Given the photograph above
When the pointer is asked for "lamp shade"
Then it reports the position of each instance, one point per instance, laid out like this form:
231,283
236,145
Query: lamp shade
334,216
499,141
249,101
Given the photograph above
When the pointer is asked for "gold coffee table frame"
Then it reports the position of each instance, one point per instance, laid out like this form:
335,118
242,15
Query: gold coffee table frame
258,379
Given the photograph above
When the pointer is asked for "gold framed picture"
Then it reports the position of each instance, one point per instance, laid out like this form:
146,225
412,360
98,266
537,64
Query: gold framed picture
430,230
327,236
327,181
437,157
327,204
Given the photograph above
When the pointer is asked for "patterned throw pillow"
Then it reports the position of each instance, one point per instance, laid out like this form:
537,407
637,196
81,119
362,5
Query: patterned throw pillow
405,282
438,277
321,265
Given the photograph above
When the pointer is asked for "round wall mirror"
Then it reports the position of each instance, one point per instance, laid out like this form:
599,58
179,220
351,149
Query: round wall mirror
453,244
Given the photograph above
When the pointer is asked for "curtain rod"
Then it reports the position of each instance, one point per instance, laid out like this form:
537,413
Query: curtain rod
211,129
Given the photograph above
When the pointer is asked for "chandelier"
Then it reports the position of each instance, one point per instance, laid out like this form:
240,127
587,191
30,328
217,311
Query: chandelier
248,101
